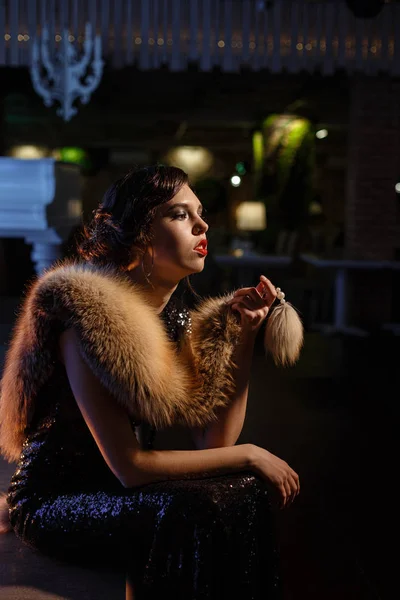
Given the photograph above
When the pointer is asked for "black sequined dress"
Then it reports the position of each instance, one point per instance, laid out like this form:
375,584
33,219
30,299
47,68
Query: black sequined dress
207,538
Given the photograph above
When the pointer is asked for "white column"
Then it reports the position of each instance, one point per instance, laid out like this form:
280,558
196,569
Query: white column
44,254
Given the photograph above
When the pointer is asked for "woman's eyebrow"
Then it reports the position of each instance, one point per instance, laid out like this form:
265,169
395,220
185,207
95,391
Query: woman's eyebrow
184,205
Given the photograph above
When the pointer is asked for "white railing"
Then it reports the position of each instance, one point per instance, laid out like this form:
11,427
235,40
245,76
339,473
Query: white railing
280,35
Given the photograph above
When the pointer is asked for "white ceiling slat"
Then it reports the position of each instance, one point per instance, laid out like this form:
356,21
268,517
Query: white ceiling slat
223,33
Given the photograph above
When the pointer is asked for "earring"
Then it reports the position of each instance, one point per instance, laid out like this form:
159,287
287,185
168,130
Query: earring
152,265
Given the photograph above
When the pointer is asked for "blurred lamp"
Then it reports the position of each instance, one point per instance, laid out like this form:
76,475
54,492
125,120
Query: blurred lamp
74,207
236,180
315,209
251,216
321,134
194,160
28,152
397,187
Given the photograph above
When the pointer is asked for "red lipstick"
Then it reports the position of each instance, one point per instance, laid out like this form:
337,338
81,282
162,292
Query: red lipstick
201,248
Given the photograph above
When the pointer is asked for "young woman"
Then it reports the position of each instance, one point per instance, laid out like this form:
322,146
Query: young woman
102,355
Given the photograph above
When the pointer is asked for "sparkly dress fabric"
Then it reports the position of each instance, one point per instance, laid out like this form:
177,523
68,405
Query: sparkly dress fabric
205,538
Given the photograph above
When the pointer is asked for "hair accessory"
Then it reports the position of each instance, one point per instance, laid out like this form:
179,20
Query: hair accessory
280,295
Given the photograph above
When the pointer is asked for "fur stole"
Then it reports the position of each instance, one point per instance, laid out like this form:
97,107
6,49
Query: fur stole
124,342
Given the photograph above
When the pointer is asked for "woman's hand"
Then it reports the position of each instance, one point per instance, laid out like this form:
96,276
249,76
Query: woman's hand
276,471
253,305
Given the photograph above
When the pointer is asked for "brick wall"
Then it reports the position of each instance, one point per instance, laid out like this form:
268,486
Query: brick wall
373,208
372,229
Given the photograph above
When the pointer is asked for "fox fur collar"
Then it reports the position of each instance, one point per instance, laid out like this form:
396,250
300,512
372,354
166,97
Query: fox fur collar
124,342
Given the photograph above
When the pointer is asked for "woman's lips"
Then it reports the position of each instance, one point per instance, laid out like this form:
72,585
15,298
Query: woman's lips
202,251
201,247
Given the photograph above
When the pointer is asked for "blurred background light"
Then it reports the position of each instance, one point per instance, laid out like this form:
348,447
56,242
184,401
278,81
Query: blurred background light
74,207
241,168
236,180
28,152
321,134
251,216
70,154
196,161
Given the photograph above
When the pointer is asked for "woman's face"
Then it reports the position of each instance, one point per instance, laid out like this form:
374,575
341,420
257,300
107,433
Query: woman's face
178,228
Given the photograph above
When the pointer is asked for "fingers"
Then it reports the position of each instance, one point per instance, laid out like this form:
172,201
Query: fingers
250,303
261,296
251,292
289,488
293,489
288,493
284,479
270,292
283,493
297,481
236,307
250,298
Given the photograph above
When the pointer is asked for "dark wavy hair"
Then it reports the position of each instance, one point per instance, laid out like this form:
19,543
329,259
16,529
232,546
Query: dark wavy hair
120,230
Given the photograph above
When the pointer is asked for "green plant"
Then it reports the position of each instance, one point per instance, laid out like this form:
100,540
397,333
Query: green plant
285,170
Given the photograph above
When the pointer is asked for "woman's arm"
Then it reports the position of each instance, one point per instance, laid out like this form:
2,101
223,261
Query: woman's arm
226,430
109,424
253,305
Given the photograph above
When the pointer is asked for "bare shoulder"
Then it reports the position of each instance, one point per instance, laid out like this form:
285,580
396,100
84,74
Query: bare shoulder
67,339
79,374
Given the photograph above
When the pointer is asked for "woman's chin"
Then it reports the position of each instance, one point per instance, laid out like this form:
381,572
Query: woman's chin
192,269
200,266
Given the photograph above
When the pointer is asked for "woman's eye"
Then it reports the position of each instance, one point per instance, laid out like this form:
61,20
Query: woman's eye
185,214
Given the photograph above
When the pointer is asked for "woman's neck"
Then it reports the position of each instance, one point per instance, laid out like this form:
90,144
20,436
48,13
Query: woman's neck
157,293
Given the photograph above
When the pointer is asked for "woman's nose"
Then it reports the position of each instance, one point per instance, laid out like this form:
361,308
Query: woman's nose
200,227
